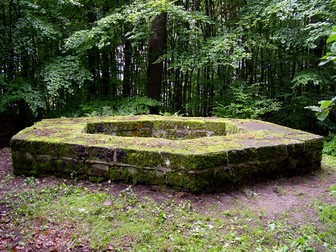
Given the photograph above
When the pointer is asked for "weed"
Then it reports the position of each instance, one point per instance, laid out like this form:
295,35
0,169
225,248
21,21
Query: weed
31,181
332,190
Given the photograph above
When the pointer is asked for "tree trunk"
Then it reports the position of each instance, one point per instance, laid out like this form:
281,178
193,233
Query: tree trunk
105,72
127,69
157,45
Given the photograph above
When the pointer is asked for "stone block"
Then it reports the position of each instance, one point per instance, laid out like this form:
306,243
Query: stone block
192,154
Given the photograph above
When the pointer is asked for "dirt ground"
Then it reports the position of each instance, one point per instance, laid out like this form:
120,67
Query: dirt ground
291,196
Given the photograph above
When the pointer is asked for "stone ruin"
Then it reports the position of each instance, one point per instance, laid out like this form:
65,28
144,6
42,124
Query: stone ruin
189,154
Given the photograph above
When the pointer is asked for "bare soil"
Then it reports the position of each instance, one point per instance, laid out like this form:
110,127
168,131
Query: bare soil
293,197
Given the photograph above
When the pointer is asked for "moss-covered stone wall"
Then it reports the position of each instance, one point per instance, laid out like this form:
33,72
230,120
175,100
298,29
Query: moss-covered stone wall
191,154
170,129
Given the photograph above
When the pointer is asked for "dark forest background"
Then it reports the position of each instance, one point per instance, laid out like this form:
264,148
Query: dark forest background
230,58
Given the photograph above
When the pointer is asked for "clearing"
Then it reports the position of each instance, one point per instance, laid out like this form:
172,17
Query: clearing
52,214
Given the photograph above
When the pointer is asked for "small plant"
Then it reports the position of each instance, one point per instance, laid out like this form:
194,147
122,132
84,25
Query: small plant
329,147
332,190
31,181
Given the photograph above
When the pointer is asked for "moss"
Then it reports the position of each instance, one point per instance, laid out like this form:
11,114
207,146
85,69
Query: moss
99,153
270,152
111,128
147,176
24,161
69,166
313,144
162,129
191,182
96,179
125,174
96,169
241,156
179,124
295,150
190,162
224,178
73,150
204,152
232,129
45,165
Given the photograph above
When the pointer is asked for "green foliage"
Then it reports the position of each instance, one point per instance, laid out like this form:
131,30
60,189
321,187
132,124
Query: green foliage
326,106
210,45
64,74
132,22
329,147
17,91
324,109
32,29
247,103
330,56
135,105
317,32
223,50
327,215
307,77
332,190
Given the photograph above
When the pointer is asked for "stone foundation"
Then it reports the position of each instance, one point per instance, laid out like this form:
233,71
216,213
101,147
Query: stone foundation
190,154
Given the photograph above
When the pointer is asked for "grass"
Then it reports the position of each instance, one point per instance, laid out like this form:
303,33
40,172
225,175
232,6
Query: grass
127,221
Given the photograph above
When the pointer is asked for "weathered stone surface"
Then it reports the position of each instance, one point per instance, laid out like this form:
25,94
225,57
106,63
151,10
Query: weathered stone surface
65,166
192,154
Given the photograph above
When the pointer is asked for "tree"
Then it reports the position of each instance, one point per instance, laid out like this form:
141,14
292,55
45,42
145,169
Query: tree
156,49
244,56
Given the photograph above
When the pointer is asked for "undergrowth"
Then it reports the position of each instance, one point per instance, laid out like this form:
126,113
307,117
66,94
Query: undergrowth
135,105
329,147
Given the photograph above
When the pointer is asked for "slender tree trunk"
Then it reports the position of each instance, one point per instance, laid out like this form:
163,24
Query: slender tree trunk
178,103
113,73
105,72
94,66
157,45
11,65
127,69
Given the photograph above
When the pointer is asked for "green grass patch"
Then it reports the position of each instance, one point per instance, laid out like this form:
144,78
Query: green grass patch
128,222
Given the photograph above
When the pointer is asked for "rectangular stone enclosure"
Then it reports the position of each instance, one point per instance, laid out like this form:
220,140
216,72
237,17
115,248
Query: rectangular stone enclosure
189,154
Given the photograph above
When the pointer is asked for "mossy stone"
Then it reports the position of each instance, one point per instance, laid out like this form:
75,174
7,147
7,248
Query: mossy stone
192,154
192,182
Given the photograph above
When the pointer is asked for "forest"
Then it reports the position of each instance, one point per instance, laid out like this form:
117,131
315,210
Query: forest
273,60
228,58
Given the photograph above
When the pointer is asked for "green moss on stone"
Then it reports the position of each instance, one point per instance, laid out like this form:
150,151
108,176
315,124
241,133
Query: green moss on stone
199,152
192,182
69,166
122,174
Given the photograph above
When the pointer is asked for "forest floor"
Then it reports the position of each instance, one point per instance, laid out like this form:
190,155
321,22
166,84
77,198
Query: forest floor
55,214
